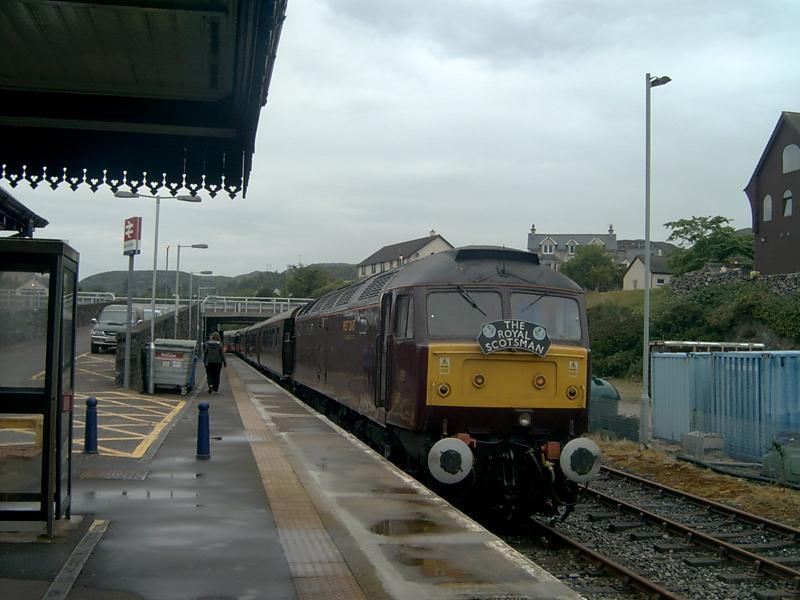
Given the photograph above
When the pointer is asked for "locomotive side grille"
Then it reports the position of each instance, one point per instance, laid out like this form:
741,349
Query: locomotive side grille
373,290
347,295
329,300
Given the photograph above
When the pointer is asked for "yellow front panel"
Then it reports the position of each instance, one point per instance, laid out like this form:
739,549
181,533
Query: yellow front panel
507,377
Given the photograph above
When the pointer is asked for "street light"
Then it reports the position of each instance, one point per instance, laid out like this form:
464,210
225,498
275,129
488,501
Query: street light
177,283
157,198
198,298
644,409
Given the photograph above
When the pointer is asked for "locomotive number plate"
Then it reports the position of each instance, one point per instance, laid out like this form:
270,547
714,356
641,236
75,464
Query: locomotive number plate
513,334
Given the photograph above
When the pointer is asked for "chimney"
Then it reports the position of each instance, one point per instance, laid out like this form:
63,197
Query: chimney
610,230
433,232
533,229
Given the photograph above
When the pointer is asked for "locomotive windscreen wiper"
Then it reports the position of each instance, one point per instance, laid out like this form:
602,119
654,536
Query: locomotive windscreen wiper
469,299
534,301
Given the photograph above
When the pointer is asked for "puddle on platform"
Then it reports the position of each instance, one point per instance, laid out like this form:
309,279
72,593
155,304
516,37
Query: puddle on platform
399,527
144,494
394,490
176,475
434,567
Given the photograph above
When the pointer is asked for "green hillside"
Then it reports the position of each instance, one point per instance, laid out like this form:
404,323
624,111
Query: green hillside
257,283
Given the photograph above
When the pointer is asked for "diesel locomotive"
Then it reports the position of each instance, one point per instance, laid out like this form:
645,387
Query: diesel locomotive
468,368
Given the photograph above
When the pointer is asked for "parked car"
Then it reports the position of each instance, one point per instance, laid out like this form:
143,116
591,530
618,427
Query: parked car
110,323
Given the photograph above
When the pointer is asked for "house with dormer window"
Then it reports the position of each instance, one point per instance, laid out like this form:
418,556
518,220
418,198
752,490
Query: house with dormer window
556,249
771,190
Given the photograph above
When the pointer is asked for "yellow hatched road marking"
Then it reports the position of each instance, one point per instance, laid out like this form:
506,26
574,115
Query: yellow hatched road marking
82,370
149,439
137,411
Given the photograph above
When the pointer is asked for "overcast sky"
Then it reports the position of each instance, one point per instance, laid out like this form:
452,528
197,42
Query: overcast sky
477,119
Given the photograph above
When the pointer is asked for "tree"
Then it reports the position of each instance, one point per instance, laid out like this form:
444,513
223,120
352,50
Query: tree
594,269
710,239
305,282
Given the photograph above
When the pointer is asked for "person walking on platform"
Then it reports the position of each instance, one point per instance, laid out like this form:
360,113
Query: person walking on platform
214,360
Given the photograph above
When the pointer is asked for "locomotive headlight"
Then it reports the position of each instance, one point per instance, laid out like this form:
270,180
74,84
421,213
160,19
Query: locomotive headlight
572,392
524,419
539,381
443,389
479,380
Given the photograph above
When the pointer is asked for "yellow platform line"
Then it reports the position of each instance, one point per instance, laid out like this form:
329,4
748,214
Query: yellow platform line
318,568
139,451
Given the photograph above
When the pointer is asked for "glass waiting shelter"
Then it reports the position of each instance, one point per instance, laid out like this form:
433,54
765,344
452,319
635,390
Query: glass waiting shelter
38,288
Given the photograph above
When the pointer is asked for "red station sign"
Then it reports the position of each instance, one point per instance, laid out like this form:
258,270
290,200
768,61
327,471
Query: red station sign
132,236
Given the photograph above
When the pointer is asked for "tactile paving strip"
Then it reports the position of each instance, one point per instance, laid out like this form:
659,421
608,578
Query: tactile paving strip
318,569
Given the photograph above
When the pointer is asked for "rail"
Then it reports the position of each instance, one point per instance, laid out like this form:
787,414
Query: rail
706,538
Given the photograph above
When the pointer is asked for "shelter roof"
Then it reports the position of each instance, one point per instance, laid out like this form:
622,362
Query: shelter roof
159,94
15,216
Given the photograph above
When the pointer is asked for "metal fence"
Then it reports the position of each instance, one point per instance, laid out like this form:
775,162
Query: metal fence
245,305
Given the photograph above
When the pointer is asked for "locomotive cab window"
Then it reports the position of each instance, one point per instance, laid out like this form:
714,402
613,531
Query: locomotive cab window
559,315
461,313
403,317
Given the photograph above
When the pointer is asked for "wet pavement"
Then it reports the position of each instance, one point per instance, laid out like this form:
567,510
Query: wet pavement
288,506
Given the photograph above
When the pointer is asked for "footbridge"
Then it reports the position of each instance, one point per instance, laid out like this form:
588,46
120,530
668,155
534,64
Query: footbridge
240,311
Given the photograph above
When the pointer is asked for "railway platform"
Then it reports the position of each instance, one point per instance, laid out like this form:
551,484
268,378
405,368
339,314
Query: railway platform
288,506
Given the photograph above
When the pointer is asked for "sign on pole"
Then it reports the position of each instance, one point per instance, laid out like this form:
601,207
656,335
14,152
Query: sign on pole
132,236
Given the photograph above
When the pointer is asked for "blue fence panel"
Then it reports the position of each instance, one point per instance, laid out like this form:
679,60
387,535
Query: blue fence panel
782,386
672,395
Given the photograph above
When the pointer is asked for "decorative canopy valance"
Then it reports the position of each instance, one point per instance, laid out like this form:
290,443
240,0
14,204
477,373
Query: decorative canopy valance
157,94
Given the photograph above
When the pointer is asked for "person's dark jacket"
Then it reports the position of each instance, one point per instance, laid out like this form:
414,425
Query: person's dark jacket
214,353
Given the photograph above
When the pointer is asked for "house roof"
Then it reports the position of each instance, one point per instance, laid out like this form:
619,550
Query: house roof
792,119
658,265
630,245
562,239
403,249
15,216
152,95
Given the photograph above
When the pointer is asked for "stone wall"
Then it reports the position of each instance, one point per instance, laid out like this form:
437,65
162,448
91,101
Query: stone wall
779,284
140,338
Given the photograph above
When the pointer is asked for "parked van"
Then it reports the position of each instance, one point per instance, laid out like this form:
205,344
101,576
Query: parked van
110,323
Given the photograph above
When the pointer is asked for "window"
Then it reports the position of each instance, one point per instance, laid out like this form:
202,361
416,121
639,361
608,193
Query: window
558,315
372,269
767,210
460,314
787,203
404,317
572,247
791,158
24,295
660,281
548,248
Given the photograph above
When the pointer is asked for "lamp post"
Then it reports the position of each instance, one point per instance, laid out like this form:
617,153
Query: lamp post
182,198
198,298
177,282
644,409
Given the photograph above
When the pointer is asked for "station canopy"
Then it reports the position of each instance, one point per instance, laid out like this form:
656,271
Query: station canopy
162,95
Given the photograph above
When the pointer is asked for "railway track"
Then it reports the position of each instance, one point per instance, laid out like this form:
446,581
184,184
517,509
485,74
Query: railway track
687,546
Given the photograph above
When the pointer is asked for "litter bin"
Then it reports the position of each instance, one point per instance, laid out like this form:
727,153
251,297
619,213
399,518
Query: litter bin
174,364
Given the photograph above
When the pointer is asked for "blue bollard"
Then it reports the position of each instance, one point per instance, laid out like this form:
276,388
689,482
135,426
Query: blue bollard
203,442
90,434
